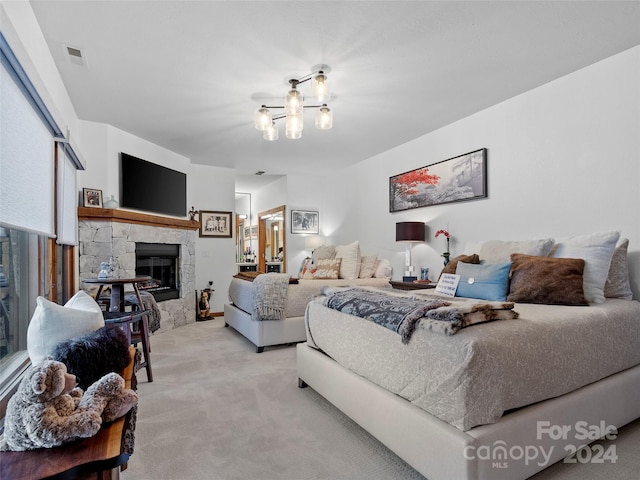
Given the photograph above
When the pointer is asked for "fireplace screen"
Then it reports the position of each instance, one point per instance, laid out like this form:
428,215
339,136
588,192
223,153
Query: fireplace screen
160,262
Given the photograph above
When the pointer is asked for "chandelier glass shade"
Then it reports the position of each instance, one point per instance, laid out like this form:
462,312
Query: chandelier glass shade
293,108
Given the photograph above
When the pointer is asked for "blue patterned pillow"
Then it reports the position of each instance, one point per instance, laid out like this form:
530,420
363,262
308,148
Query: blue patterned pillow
486,281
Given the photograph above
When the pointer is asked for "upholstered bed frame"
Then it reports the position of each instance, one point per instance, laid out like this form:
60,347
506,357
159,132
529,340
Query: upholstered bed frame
440,451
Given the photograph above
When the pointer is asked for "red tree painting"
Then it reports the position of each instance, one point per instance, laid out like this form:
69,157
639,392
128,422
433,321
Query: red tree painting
403,186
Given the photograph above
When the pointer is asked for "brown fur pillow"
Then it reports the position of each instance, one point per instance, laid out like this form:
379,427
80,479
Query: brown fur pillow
453,264
551,281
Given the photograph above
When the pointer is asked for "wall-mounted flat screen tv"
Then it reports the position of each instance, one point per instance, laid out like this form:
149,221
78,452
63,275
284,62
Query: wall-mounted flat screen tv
152,188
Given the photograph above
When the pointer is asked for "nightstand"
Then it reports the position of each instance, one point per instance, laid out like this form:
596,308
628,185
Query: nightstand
411,285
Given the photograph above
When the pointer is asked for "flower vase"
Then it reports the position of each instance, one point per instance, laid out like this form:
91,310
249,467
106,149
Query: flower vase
445,255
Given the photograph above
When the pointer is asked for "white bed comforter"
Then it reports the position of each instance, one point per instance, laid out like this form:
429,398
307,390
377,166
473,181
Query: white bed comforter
471,378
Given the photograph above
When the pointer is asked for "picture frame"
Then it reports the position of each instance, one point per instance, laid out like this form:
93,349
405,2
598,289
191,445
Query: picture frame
456,179
92,198
251,231
216,224
305,221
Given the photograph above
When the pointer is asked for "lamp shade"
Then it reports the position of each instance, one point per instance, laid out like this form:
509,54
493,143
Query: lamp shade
324,118
263,118
410,232
270,132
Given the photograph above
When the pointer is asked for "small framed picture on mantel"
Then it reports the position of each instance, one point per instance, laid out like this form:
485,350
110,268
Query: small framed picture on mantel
91,198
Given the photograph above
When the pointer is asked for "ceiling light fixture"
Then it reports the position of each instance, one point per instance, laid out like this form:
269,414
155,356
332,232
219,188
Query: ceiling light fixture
294,107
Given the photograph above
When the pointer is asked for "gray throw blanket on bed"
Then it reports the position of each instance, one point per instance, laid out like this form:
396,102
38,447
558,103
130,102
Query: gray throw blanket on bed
395,313
401,313
270,296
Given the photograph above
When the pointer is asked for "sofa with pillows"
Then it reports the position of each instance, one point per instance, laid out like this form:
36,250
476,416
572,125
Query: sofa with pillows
341,265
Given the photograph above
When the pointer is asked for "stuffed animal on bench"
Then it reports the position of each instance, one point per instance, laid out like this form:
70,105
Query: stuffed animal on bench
48,409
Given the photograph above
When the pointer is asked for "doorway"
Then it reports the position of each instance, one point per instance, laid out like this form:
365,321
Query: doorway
272,240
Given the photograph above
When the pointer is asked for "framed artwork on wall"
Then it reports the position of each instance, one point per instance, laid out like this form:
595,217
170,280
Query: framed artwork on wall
456,179
91,198
216,224
304,221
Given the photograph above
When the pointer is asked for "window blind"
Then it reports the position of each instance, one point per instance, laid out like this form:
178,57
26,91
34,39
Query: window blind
26,163
67,217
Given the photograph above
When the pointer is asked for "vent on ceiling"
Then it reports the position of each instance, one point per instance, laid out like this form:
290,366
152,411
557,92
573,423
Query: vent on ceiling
259,172
75,55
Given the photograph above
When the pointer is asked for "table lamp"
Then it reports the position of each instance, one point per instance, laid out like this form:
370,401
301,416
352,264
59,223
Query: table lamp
410,232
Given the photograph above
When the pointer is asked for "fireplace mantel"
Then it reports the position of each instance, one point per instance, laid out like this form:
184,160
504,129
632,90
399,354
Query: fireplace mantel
125,216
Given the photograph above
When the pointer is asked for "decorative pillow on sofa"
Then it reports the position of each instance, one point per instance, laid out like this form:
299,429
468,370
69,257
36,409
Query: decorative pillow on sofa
497,251
384,269
451,266
487,282
367,266
328,268
617,284
350,255
323,252
93,355
596,249
546,280
52,323
305,267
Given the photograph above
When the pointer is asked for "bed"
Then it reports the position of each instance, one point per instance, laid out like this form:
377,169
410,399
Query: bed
239,313
497,400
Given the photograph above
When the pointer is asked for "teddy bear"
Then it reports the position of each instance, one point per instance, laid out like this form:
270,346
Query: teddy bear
48,409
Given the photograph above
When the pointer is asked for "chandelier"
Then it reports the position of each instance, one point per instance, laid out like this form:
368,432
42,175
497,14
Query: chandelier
294,105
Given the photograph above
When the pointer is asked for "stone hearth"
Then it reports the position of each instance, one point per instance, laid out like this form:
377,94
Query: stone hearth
105,233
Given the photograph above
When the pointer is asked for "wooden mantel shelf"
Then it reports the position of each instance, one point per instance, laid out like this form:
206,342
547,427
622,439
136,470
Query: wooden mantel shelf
125,216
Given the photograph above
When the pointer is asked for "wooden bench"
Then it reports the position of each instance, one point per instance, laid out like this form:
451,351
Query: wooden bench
99,457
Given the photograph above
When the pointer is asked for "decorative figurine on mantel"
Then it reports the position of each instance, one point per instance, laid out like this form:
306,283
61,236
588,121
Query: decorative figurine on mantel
192,214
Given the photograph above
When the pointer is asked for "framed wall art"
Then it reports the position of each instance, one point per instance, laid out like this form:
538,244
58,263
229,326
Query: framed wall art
456,179
304,221
91,198
215,224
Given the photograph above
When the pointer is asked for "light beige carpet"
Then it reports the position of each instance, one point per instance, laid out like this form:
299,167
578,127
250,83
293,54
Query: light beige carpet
216,410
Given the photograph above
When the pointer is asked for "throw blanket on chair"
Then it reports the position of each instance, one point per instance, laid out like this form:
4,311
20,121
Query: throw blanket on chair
149,303
399,314
403,313
270,296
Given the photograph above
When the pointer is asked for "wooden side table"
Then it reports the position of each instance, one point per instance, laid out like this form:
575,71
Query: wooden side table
412,285
116,315
100,456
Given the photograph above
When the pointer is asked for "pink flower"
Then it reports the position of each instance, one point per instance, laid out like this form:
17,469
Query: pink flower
443,232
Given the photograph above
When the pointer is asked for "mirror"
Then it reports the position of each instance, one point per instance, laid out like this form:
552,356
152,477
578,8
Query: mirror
272,240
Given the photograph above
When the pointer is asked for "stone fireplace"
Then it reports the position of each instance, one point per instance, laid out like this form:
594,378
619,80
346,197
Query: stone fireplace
106,233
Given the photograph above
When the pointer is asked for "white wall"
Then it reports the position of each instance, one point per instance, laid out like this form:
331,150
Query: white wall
563,159
212,188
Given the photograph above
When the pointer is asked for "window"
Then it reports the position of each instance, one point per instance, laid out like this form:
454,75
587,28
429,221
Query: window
33,193
21,281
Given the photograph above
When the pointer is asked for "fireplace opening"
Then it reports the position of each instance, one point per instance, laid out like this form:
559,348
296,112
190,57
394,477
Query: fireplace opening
160,262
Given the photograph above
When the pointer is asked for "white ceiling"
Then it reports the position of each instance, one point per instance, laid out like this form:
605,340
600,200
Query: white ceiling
189,75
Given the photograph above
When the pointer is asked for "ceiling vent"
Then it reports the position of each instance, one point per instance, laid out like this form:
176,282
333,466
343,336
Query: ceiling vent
75,55
259,172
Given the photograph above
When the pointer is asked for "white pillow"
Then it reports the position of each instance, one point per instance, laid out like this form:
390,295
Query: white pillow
350,255
52,323
617,285
498,251
384,269
367,266
596,249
